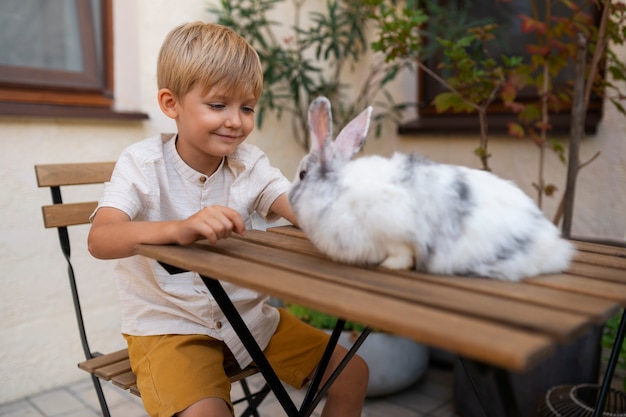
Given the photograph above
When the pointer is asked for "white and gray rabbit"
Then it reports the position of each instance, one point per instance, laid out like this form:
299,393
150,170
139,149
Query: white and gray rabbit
410,212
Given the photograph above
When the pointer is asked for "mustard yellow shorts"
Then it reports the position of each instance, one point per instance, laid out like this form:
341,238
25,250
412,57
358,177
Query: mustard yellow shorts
175,371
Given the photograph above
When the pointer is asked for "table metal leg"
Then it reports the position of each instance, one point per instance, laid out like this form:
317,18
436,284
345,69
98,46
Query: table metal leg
321,369
610,371
229,310
314,396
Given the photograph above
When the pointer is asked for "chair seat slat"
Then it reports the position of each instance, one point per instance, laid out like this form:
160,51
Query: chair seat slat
91,365
115,367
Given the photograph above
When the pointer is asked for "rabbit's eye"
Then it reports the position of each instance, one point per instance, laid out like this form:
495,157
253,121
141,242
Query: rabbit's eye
302,175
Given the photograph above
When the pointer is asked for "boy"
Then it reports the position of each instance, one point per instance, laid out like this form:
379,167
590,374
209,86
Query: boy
203,183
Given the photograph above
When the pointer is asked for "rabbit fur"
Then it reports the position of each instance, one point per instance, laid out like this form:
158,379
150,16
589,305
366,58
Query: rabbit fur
410,212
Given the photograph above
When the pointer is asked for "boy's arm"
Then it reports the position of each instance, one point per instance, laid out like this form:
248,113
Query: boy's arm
113,235
282,207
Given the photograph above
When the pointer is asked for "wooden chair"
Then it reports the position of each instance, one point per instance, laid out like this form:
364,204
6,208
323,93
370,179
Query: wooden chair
115,366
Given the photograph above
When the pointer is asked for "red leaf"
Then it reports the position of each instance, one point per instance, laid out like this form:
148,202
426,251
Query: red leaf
532,25
516,130
515,106
543,126
537,50
508,92
550,189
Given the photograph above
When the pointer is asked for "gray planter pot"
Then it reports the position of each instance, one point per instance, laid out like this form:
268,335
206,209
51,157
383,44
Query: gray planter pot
395,363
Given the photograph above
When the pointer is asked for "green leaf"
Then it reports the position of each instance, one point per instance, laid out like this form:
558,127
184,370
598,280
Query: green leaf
319,319
450,101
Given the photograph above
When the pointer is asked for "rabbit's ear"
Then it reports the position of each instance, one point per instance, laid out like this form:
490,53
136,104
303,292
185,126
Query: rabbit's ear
320,123
351,138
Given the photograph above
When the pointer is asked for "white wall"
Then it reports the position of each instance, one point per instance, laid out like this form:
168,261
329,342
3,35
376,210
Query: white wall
39,345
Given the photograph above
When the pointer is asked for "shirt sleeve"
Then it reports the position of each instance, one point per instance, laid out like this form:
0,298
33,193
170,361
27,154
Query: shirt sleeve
129,187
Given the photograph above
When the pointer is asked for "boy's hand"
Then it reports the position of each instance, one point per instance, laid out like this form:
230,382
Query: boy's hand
211,223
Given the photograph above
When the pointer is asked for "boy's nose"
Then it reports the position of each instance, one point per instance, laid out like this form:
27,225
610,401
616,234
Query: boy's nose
233,119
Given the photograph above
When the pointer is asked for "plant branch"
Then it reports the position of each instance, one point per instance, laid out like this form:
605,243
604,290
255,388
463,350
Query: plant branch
560,209
447,85
601,44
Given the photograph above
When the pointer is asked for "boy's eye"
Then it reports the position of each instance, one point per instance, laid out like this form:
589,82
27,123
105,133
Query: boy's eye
216,106
248,109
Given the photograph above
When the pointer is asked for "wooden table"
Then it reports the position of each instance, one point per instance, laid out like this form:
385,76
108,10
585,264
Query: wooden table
510,326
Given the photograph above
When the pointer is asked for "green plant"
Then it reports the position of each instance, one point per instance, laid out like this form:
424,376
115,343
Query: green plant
477,79
608,340
561,38
317,57
474,79
318,319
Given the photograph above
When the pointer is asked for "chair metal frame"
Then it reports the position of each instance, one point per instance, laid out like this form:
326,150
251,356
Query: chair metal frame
254,399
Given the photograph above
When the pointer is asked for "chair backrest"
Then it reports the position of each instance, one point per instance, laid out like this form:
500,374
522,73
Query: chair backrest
56,176
61,215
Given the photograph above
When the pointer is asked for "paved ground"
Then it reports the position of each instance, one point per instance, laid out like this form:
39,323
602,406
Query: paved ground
429,397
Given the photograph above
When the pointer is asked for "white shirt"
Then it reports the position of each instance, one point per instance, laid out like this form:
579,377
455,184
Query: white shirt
151,182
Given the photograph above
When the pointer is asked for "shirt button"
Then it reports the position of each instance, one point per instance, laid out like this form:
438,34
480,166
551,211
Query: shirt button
218,324
203,179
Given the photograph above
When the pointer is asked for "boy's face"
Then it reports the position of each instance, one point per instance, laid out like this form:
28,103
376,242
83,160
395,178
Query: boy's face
211,125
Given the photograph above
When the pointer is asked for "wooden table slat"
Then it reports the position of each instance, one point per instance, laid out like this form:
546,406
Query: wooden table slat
500,345
619,251
293,241
604,273
504,324
287,231
598,309
560,324
590,286
600,259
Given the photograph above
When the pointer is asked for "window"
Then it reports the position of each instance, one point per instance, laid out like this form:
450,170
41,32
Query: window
56,58
511,41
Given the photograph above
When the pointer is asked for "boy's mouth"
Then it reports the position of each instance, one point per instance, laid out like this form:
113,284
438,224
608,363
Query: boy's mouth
230,138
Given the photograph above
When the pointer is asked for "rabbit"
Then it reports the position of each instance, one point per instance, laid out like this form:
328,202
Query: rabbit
408,211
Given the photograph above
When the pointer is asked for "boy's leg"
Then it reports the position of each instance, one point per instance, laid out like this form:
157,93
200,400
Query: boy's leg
294,352
347,394
213,407
181,374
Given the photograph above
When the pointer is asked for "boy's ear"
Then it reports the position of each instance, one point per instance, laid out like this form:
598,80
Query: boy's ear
167,102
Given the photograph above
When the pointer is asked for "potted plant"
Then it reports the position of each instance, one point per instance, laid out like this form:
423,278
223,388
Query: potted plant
394,362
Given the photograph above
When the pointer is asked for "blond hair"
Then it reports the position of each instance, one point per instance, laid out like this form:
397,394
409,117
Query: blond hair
208,54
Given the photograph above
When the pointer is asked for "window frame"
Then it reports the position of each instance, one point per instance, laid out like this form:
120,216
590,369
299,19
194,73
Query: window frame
431,121
87,94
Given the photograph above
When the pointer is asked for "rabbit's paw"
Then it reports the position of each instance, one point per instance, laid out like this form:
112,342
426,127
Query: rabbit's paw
400,257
